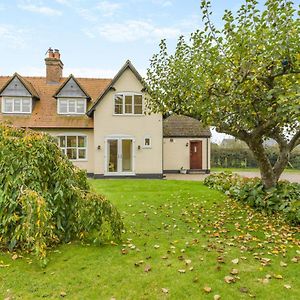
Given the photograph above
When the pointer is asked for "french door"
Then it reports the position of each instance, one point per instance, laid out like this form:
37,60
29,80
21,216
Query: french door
119,156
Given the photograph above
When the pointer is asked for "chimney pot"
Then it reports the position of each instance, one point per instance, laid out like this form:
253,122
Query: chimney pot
50,53
56,54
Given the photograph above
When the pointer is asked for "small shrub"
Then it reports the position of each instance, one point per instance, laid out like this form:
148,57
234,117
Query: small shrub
284,198
44,199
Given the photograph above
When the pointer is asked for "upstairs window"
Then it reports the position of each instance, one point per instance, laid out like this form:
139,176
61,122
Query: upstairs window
16,105
128,104
71,106
74,146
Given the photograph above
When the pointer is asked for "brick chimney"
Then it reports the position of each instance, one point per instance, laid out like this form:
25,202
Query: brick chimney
54,66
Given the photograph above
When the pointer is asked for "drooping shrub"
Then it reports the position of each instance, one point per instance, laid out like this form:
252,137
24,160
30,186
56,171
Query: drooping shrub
44,198
284,198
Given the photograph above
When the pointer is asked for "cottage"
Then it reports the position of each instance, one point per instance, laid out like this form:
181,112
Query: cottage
101,124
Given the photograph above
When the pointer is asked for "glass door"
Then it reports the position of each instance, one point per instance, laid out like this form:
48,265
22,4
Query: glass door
119,156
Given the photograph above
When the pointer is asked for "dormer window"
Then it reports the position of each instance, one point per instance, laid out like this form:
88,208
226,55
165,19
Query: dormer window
128,104
71,106
16,105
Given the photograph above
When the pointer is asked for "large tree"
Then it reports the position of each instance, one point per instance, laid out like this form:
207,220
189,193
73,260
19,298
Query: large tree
243,78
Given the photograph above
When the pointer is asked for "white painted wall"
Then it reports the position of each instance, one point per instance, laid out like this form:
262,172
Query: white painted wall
88,164
147,161
176,154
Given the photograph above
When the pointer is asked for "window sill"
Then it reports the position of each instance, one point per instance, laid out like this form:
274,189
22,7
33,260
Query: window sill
78,160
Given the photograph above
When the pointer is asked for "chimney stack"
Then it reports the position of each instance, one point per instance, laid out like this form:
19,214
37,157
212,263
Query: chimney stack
54,66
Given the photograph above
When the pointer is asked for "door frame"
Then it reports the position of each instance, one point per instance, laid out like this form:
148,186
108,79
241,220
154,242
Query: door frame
119,139
190,144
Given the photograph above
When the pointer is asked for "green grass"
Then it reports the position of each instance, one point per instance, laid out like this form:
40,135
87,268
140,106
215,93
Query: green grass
170,226
297,171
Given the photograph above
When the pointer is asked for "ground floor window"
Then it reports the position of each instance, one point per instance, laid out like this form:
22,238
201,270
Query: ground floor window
74,146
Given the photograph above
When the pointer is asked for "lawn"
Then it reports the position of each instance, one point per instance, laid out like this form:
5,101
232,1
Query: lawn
180,238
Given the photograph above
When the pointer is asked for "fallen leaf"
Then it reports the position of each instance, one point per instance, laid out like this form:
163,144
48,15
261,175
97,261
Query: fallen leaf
278,276
124,251
244,290
165,290
188,261
283,264
294,259
63,294
229,279
235,261
181,271
263,280
147,268
234,272
287,286
217,297
156,246
14,257
207,289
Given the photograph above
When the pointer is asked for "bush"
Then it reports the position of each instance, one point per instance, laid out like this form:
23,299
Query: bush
44,198
284,198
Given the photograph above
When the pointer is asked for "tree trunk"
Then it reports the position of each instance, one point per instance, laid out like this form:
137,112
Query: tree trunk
266,170
282,161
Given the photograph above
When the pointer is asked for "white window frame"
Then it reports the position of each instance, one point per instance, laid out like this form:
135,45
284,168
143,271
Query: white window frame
13,110
68,109
132,94
150,140
64,149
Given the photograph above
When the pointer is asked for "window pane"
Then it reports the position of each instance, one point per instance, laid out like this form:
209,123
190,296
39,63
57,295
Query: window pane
81,141
118,104
26,105
8,105
128,104
113,156
147,142
138,104
62,141
126,155
63,106
17,105
80,106
81,153
71,141
72,104
72,153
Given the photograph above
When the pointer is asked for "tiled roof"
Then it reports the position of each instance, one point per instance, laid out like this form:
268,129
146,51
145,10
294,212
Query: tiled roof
183,126
44,113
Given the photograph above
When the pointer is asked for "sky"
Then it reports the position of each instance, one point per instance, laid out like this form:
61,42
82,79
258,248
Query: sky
95,37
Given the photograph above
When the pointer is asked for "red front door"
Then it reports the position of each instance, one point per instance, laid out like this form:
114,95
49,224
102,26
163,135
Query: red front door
196,155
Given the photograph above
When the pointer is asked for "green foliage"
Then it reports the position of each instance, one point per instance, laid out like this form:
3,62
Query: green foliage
242,78
243,157
284,198
44,199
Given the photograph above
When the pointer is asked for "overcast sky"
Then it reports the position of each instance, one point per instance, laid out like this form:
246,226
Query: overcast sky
95,37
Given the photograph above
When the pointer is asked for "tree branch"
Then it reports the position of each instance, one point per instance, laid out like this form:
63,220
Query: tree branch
295,141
